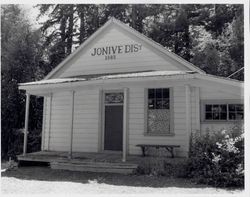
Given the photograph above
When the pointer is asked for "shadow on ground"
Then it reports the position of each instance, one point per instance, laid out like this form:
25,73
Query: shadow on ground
43,173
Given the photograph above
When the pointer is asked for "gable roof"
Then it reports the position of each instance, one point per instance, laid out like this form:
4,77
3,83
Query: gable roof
132,31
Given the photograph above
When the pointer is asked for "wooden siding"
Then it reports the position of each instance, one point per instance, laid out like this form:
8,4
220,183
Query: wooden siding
86,117
194,116
137,121
213,95
124,62
85,126
60,122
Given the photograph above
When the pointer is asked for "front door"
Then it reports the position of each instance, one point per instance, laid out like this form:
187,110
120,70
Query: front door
113,124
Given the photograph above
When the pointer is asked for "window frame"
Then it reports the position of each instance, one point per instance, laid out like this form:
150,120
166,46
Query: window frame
171,108
235,111
226,102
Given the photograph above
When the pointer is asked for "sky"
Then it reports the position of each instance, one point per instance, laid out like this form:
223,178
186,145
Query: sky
31,13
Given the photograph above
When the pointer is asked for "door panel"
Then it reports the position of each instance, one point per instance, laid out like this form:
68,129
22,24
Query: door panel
113,127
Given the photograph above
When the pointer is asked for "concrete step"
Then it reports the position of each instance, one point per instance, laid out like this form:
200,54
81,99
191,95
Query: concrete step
122,168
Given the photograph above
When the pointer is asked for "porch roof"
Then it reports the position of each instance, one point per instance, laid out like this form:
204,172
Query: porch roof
44,86
143,74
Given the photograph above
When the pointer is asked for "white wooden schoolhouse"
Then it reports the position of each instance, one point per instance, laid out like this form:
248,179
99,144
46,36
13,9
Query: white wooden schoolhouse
120,89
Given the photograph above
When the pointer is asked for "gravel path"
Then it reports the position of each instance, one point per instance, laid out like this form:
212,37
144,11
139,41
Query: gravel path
43,180
18,186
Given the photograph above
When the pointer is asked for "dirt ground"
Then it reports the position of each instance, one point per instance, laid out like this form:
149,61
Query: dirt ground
43,180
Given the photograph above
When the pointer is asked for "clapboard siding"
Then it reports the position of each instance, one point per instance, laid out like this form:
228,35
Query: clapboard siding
60,122
137,122
212,94
86,113
85,126
124,62
193,110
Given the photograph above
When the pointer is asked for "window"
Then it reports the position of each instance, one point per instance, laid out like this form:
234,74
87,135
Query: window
114,98
158,116
235,111
216,112
224,112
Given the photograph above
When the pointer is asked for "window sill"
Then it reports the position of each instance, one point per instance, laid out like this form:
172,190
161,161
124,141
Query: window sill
159,134
221,121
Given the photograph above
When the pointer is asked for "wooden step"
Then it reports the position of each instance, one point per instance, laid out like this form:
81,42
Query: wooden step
123,168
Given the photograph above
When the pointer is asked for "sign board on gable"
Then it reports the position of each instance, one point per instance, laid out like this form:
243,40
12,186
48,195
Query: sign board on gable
110,52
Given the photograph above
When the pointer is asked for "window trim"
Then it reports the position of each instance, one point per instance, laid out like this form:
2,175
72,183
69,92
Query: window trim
171,108
219,102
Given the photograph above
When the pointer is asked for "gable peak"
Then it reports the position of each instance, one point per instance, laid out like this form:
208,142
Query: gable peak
127,28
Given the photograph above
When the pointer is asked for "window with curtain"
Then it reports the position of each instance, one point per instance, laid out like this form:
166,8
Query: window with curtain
158,120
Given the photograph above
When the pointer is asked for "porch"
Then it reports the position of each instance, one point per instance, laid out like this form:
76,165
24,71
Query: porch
83,161
60,156
95,162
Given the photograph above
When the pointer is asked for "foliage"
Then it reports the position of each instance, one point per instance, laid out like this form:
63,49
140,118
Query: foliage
196,32
11,165
217,158
21,61
15,146
162,166
218,49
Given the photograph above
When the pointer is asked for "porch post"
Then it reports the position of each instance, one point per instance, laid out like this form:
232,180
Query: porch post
197,108
100,121
71,123
44,122
125,114
26,126
188,112
49,120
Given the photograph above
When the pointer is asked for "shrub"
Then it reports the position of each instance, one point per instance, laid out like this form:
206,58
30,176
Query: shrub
15,145
217,158
162,166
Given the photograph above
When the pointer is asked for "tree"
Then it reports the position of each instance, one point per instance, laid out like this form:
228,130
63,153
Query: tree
227,42
58,30
22,61
119,11
236,42
81,10
172,25
221,14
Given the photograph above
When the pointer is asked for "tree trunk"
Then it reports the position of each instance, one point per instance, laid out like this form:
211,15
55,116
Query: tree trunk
81,13
63,34
133,16
187,44
70,29
96,17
